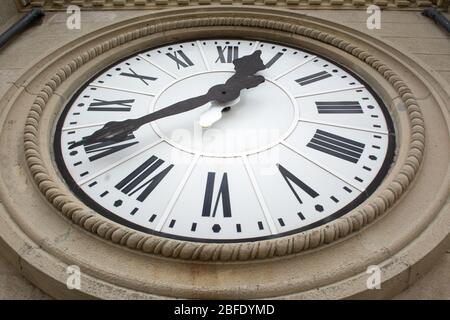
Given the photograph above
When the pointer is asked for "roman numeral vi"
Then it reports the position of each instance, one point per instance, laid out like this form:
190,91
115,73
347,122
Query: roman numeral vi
222,194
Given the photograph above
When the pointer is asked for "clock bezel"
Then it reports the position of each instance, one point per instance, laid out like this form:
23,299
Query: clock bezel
85,198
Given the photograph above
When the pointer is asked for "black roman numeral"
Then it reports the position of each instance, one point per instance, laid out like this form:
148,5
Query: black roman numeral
290,178
274,59
115,105
103,149
338,107
223,194
180,58
133,74
232,53
337,146
313,78
135,180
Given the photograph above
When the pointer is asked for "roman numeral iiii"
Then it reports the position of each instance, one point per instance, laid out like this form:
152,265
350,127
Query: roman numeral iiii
336,146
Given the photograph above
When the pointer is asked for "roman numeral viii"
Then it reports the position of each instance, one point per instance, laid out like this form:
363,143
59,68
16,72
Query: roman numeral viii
290,178
135,181
223,194
113,105
232,53
313,78
181,59
338,107
103,149
336,146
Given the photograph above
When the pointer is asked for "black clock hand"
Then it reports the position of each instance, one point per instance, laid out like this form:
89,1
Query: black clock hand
119,130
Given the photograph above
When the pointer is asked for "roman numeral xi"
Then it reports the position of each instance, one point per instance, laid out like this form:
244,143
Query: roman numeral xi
180,58
336,146
135,181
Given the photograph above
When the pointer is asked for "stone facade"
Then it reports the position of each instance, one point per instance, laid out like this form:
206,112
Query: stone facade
291,4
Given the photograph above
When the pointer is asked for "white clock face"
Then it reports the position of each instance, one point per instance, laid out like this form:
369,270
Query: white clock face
297,151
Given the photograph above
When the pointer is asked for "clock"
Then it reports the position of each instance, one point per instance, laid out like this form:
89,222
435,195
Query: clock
227,152
299,150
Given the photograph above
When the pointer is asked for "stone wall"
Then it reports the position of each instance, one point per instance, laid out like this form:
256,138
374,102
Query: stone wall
291,4
7,10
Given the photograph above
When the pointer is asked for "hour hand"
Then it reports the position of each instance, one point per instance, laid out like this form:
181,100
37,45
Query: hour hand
114,131
250,64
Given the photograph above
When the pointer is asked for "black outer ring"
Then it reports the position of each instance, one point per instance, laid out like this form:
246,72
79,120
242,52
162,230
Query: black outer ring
111,216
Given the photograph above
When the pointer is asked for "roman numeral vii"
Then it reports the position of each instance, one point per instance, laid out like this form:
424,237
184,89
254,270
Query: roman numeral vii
135,181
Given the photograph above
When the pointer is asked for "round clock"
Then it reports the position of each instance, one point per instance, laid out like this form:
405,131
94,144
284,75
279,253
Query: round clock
230,152
299,150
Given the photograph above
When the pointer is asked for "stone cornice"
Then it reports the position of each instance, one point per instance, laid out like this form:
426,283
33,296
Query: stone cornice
61,5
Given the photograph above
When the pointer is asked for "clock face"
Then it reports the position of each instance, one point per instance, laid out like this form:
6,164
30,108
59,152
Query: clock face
299,150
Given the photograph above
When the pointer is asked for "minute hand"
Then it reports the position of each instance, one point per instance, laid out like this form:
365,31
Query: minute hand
118,130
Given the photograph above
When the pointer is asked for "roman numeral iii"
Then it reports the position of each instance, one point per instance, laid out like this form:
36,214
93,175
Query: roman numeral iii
223,194
103,149
313,78
336,146
135,181
338,107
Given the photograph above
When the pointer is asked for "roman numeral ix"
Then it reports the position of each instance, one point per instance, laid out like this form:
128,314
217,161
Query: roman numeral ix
338,107
134,182
103,149
222,194
336,146
114,105
313,78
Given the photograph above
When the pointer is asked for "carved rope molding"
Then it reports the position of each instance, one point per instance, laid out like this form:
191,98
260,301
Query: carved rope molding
326,234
